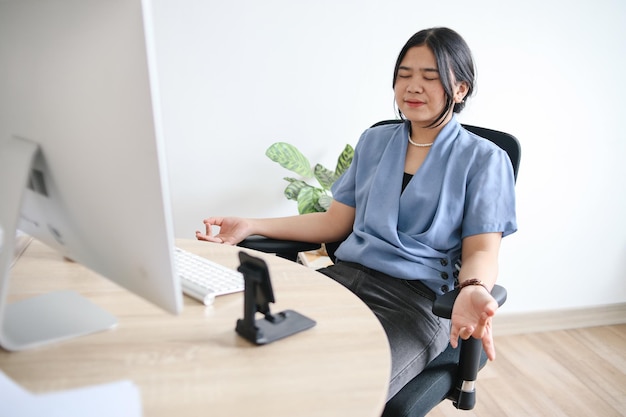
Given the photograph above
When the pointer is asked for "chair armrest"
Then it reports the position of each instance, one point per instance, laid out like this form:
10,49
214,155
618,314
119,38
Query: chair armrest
463,395
287,249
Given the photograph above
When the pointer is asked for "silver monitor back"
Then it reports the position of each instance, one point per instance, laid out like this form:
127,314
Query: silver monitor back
82,163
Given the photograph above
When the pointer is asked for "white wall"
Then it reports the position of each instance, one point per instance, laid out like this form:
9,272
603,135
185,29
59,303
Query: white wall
237,76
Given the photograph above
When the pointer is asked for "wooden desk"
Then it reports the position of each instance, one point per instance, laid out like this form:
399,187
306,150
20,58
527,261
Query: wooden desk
195,364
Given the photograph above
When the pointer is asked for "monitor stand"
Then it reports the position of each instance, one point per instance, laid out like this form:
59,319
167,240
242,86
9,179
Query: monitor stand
47,318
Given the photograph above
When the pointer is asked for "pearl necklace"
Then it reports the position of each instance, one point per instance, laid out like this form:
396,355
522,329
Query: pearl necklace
420,145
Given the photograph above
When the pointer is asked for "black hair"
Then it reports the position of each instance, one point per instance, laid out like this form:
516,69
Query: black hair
452,55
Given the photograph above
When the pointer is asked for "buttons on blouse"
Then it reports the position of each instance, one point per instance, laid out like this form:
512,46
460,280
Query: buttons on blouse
444,275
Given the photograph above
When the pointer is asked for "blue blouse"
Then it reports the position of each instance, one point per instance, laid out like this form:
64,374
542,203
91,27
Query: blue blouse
465,186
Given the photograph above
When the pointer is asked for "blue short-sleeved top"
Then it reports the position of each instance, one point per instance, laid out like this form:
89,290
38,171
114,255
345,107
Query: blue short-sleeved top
464,187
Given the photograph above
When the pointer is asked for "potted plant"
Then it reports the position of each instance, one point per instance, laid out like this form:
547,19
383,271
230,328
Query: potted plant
310,198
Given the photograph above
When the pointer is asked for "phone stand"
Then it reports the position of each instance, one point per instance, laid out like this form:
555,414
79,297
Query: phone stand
258,294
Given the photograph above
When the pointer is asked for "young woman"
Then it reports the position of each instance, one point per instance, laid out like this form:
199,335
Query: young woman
418,197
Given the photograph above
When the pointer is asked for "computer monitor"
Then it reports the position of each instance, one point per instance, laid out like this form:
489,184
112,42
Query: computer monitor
82,164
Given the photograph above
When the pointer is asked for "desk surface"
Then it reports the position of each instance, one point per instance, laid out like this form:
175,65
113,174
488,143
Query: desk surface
195,364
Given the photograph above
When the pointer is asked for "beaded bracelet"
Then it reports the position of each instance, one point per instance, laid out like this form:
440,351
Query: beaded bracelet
472,281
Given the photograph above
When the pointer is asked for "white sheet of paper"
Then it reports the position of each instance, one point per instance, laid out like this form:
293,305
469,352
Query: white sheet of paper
120,399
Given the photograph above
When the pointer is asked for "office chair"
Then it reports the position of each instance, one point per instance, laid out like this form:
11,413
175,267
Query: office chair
452,374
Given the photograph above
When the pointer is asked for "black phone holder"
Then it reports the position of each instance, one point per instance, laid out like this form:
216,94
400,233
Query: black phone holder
258,294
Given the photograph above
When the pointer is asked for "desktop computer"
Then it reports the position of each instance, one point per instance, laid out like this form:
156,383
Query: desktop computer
82,159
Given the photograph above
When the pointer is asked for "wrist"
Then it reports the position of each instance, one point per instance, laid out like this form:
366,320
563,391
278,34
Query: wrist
471,282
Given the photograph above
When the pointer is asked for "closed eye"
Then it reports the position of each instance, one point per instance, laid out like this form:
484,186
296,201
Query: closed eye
430,74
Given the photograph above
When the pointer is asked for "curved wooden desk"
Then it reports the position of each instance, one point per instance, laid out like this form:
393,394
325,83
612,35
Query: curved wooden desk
195,364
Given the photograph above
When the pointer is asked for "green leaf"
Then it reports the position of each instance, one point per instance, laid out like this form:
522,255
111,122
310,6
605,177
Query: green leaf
310,199
293,189
344,160
307,200
289,157
325,201
324,176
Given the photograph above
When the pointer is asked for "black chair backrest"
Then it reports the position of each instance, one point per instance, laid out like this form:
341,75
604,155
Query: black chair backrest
505,141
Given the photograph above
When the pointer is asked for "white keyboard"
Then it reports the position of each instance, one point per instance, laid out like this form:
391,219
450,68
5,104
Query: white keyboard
203,279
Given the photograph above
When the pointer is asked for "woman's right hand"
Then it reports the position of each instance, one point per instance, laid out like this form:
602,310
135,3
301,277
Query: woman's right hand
232,230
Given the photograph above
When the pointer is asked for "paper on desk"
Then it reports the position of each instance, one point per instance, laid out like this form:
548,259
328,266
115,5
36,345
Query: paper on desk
114,399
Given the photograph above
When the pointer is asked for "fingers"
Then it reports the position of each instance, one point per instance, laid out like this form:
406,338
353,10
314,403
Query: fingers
226,230
454,338
208,238
207,235
489,347
209,223
478,331
462,332
465,333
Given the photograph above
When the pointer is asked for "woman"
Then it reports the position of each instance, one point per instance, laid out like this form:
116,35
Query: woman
417,198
